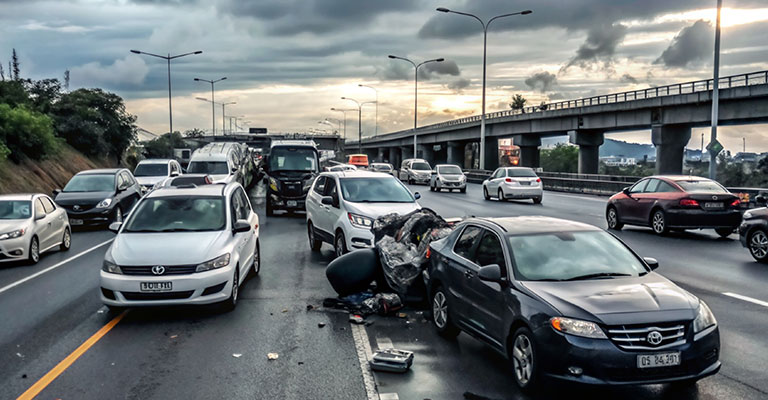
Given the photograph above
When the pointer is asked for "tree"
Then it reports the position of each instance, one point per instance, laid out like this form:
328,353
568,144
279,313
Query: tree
26,132
66,80
518,102
561,158
194,133
43,93
163,146
15,70
13,93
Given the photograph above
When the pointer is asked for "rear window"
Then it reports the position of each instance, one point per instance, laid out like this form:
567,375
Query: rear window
521,172
208,167
151,170
701,186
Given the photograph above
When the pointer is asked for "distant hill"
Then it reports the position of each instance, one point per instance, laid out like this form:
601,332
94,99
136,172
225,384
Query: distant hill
613,147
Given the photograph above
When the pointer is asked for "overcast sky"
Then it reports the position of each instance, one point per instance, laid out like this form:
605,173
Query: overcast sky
289,61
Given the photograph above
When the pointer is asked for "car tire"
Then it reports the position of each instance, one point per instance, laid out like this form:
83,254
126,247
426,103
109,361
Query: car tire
118,215
66,240
340,244
463,190
757,243
724,232
500,195
612,218
431,188
536,200
659,222
485,193
314,243
523,357
440,315
270,211
256,267
33,256
230,303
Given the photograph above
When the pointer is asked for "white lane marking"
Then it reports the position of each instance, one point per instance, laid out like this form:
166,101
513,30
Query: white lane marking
389,396
747,299
364,353
561,194
384,343
52,267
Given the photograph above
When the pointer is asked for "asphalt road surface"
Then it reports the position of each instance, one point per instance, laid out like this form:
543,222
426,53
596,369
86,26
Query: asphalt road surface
54,338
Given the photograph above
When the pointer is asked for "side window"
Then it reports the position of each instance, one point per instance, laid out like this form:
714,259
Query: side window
244,211
489,252
639,186
665,187
39,209
652,186
129,179
320,185
499,173
330,189
466,242
121,181
234,207
48,205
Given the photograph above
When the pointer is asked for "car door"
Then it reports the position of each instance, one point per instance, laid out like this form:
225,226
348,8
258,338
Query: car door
493,181
246,213
241,238
487,298
56,217
132,191
403,173
628,211
646,200
459,271
334,211
315,207
43,225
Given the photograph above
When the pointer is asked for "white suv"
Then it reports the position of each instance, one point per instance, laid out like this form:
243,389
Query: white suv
341,207
182,246
149,172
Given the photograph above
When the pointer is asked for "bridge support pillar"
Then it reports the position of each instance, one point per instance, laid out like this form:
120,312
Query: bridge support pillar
395,157
589,142
529,149
670,141
491,153
407,152
383,154
455,154
426,152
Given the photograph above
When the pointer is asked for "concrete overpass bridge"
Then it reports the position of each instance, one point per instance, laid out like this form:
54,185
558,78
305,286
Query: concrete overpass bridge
669,112
263,141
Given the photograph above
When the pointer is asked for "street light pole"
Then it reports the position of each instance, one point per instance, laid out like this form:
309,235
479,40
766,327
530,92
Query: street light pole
359,121
168,58
213,108
224,115
485,47
415,93
376,129
343,111
715,97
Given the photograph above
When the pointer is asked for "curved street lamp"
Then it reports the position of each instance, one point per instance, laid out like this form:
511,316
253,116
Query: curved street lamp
213,109
376,128
343,111
359,121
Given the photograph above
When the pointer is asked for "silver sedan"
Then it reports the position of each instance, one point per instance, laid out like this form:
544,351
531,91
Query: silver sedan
31,224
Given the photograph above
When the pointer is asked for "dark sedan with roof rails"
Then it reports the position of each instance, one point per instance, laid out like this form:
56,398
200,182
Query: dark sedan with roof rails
675,202
566,300
98,196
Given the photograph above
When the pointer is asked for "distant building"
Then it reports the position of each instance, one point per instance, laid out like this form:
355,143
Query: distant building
742,157
618,161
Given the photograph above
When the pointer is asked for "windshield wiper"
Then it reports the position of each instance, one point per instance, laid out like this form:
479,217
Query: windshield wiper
596,275
142,231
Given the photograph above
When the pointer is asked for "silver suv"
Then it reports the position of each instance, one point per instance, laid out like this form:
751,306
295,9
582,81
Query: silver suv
415,170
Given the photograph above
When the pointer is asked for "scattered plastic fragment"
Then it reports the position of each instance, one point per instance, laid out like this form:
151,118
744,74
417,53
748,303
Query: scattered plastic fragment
402,315
237,355
285,310
272,356
321,324
391,360
310,307
174,336
19,355
356,319
24,376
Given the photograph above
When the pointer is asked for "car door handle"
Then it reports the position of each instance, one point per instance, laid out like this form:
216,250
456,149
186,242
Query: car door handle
468,274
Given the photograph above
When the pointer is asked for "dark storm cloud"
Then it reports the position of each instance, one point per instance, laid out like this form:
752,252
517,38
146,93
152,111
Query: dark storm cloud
459,85
541,81
447,67
599,47
693,43
627,78
401,70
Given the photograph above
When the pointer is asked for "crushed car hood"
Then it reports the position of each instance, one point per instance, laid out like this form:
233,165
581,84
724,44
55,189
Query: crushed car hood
375,210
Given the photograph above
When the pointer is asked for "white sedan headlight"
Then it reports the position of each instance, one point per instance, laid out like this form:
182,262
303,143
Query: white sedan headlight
112,268
360,221
104,203
218,262
12,234
577,327
704,319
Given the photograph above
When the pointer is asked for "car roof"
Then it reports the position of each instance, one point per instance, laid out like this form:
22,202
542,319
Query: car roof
100,171
357,174
296,143
536,225
19,196
155,161
446,165
202,190
676,178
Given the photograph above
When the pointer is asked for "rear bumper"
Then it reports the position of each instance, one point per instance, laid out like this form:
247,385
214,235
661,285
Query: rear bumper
677,218
522,192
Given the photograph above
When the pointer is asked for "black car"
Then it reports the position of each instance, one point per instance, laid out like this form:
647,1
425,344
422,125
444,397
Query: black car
570,301
291,168
98,196
753,233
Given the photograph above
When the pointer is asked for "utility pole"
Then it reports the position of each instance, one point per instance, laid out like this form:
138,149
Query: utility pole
715,97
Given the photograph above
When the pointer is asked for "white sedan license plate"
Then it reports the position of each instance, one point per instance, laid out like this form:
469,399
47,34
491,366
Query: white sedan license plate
75,221
156,286
291,203
658,360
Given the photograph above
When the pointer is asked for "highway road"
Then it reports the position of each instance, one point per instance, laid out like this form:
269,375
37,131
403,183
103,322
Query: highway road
59,341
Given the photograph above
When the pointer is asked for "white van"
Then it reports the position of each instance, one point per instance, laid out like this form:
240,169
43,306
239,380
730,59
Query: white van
220,160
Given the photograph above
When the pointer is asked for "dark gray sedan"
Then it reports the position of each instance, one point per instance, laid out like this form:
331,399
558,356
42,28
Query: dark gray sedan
570,301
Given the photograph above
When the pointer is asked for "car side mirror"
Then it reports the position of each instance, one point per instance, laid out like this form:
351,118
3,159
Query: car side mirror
652,262
115,226
241,225
761,200
174,173
491,273
56,192
327,200
40,216
417,195
625,191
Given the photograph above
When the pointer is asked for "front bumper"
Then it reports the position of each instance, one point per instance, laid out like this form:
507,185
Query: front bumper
15,249
697,218
358,238
603,363
125,290
451,185
92,217
420,178
287,203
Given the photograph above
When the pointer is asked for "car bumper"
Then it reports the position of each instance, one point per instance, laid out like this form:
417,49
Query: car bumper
287,203
358,238
703,219
96,216
603,363
522,192
124,290
15,249
420,179
452,185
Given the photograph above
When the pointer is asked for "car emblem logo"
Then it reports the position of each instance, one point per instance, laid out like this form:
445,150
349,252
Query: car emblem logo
654,338
714,197
75,207
158,270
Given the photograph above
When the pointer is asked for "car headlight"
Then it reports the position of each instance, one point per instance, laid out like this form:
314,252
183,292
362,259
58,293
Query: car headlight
273,184
218,262
577,327
748,215
112,268
12,234
104,203
704,319
360,221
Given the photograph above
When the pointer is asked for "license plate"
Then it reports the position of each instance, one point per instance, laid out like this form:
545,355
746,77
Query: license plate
156,286
526,183
658,360
713,206
75,221
291,203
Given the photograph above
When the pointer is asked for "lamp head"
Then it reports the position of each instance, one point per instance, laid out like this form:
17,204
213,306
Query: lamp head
443,9
135,52
526,12
391,56
198,52
440,59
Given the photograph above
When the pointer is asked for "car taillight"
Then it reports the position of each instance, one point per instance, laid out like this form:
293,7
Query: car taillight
429,253
508,180
538,179
689,203
736,203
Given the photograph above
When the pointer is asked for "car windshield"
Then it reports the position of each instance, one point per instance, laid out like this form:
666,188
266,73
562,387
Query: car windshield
449,170
421,166
292,159
521,172
701,186
15,209
91,183
375,190
151,170
208,167
178,214
190,180
380,167
563,256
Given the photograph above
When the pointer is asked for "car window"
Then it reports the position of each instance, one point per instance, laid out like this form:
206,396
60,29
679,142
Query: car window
639,186
244,211
91,183
652,185
120,181
497,174
15,209
466,241
489,251
701,186
39,209
665,187
330,189
320,185
521,172
128,179
178,214
48,205
236,206
384,189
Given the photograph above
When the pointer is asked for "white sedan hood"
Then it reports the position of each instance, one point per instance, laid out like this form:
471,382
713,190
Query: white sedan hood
171,248
149,180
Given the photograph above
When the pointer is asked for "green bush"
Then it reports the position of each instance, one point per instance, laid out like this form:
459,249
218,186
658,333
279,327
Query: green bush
26,132
561,158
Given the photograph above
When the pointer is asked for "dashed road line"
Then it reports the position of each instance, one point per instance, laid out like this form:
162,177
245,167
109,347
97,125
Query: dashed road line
746,298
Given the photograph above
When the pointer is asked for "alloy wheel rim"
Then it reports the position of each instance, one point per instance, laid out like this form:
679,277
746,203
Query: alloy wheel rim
501,195
759,244
658,222
339,250
67,239
35,251
612,218
440,310
523,360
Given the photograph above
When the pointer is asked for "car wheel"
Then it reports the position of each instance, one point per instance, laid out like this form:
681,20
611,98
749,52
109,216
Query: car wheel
485,193
66,240
34,251
431,188
500,195
758,245
340,244
536,200
440,315
118,217
256,267
231,302
270,211
659,222
523,355
314,243
612,217
463,190
724,232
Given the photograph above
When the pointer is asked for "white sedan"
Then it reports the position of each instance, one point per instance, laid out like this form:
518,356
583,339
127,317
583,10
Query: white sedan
31,224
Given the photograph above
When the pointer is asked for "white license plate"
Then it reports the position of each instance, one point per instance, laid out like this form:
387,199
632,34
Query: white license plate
75,221
156,286
658,360
291,203
713,206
